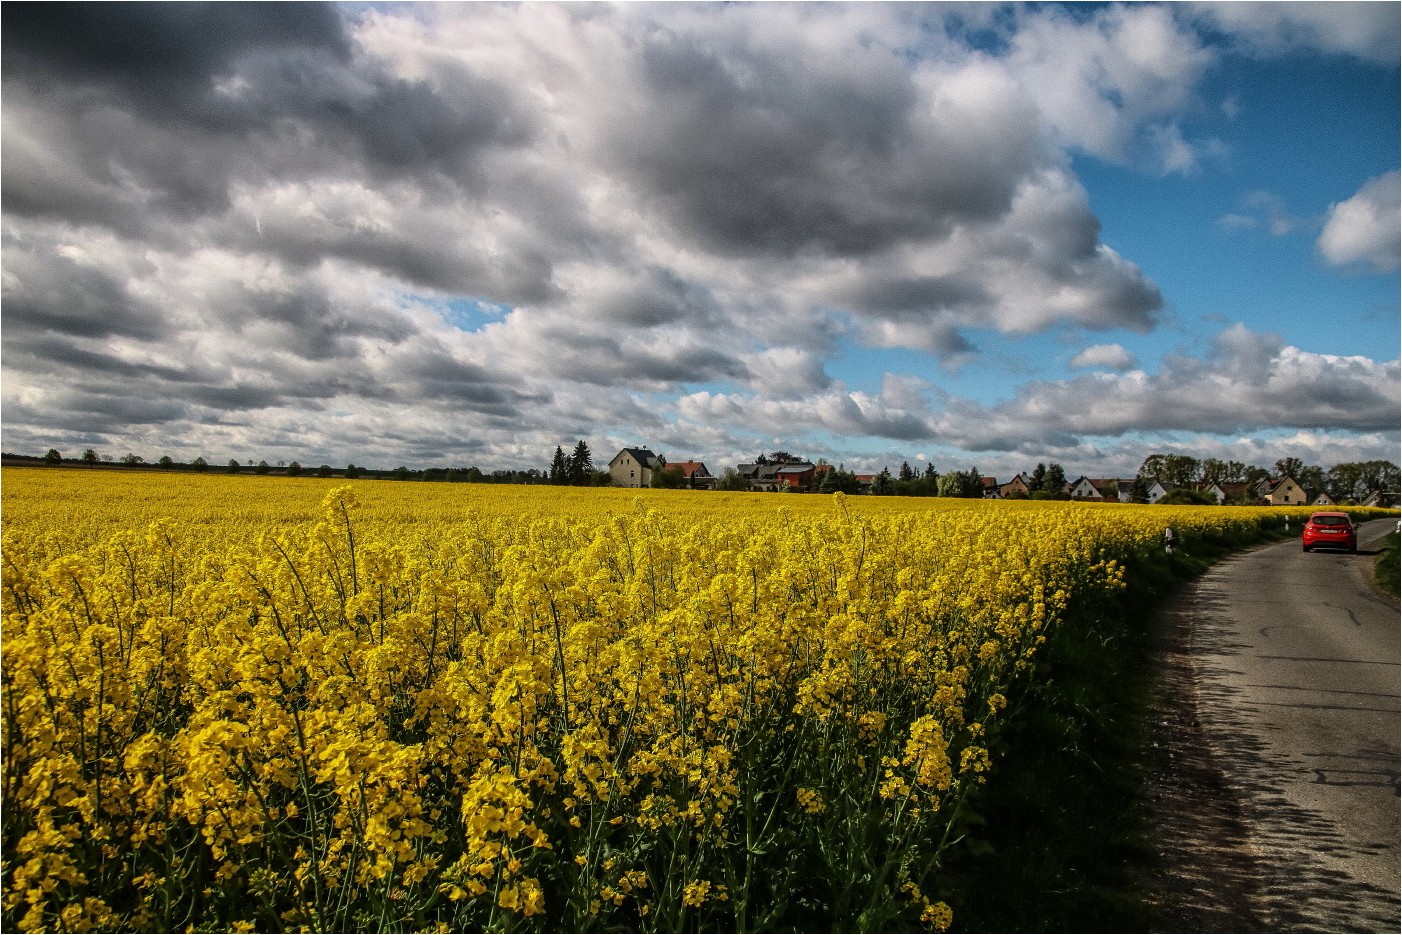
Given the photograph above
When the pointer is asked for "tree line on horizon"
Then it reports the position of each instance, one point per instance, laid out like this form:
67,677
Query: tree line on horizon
1350,480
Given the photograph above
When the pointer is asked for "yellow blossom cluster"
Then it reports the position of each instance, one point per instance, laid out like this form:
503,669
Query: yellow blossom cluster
259,703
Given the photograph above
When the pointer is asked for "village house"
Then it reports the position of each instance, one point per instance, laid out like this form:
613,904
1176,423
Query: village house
1084,489
1223,492
1382,498
796,477
1281,491
1118,488
1018,485
633,467
694,473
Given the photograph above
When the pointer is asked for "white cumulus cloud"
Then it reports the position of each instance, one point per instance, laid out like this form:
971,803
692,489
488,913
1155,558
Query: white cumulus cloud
1103,357
1365,228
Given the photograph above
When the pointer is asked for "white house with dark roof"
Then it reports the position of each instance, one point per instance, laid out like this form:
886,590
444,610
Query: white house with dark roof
633,467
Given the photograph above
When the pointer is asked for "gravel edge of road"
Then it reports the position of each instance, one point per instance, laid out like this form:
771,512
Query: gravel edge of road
1205,876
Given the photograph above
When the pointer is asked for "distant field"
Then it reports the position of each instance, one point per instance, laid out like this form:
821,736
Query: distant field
238,702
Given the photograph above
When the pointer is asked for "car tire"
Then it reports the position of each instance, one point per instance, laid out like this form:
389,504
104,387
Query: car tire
1304,548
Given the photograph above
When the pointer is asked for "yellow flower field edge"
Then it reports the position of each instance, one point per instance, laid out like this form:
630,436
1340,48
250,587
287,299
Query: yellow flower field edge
526,710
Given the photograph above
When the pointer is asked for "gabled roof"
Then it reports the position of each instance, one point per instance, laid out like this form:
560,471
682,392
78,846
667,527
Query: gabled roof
691,467
643,456
801,468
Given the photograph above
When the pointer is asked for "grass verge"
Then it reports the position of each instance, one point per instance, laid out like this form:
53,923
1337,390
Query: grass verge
1386,572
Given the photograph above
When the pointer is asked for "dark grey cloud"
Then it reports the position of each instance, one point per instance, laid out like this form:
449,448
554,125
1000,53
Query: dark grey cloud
748,150
167,107
49,350
607,360
46,292
310,325
919,297
160,52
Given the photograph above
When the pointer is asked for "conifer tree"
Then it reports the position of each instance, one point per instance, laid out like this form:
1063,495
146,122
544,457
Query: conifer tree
559,467
580,464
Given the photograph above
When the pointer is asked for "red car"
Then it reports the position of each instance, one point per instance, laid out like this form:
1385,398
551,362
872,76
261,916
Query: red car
1332,530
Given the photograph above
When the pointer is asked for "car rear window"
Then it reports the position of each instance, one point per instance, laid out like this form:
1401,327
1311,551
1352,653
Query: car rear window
1330,520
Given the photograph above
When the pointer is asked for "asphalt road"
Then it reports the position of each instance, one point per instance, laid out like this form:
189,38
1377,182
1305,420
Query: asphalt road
1295,672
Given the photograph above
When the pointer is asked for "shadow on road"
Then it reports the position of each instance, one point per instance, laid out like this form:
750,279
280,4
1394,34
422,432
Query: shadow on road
1292,847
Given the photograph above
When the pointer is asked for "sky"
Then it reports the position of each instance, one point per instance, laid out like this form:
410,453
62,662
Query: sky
965,235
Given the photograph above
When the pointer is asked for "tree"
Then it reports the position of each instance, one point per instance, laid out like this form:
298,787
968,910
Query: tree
1038,478
883,486
731,479
559,467
1378,475
262,468
1179,471
906,473
166,462
1170,470
961,484
782,457
324,471
951,484
1184,497
973,483
581,462
130,458
200,464
1152,469
294,469
90,457
1311,477
401,473
1055,481
1213,471
52,458
668,478
233,465
1289,467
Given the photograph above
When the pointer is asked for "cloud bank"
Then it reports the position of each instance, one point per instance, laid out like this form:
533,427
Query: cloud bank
464,233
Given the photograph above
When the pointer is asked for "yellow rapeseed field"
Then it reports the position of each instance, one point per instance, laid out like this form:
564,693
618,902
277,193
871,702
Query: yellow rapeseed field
254,703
